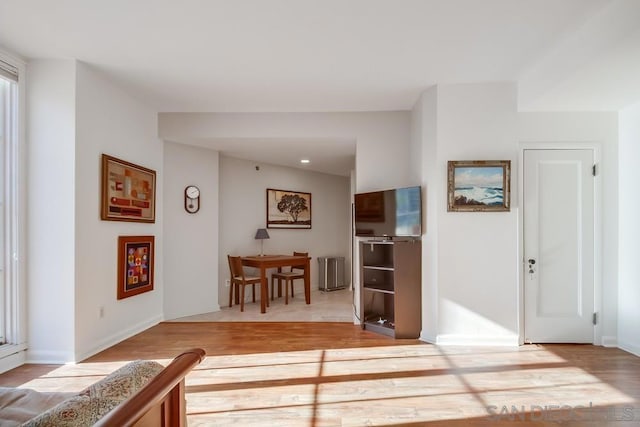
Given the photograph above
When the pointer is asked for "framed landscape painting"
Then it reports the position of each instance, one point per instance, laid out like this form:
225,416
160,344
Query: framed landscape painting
288,209
479,186
128,191
135,265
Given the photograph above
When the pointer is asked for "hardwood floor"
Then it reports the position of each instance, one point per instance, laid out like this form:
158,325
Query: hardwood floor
335,374
334,306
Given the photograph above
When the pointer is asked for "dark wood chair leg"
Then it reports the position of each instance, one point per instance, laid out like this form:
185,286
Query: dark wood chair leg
253,292
242,298
267,293
286,291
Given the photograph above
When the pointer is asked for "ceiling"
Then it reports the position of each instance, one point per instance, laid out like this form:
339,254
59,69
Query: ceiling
335,156
337,55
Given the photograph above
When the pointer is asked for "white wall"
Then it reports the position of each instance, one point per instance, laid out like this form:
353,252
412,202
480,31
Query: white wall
470,260
74,116
477,266
598,128
473,258
243,210
110,121
382,142
425,122
51,122
190,240
382,138
629,206
233,207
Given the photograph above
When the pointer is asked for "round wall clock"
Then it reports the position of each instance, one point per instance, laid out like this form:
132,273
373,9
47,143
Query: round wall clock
192,199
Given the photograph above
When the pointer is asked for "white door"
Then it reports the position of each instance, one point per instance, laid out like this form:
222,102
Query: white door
558,246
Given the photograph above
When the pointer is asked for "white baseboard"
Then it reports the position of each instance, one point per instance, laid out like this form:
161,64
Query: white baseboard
630,347
428,338
48,357
173,316
478,340
60,358
609,341
12,361
107,342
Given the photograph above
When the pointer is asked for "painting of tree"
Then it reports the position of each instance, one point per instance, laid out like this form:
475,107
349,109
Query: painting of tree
288,209
292,204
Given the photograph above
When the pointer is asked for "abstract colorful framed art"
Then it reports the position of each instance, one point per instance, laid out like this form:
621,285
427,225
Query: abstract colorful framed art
128,191
135,265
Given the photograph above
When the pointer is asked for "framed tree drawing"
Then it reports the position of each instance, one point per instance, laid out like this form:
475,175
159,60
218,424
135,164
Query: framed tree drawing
479,185
135,265
128,191
288,209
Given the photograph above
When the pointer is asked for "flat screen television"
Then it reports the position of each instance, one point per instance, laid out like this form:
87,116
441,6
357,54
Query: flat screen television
389,213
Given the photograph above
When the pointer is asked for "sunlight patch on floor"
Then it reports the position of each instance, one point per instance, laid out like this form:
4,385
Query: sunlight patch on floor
386,385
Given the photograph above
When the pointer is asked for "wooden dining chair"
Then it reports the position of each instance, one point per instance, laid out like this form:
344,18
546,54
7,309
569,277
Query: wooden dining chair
296,272
239,281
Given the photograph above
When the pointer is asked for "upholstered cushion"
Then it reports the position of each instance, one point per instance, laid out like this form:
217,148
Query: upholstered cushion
88,406
248,278
285,274
18,405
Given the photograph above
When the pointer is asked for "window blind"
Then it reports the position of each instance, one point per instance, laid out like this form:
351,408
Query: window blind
8,71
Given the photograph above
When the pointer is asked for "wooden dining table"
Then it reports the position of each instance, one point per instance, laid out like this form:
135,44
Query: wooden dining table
265,262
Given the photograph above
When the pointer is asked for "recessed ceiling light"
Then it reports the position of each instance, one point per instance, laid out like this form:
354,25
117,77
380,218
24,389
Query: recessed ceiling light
305,161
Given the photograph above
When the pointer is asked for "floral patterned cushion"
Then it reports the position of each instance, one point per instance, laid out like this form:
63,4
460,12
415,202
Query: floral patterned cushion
88,406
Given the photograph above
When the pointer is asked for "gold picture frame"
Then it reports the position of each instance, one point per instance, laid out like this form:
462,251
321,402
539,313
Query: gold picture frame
128,191
479,186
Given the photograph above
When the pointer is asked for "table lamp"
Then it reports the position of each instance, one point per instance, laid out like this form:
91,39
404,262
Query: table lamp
262,234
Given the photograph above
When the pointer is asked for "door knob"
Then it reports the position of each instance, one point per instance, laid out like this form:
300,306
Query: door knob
531,262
